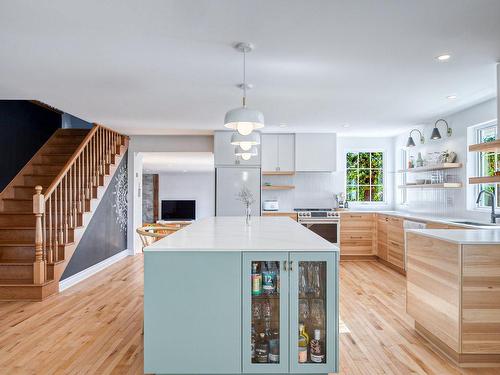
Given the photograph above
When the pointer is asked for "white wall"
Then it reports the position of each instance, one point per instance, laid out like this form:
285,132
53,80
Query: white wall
153,143
451,203
190,185
316,190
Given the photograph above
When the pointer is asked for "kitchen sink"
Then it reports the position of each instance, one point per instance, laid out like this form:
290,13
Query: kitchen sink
475,223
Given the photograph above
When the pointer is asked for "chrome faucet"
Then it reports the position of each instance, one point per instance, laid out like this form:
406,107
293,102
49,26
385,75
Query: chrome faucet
494,216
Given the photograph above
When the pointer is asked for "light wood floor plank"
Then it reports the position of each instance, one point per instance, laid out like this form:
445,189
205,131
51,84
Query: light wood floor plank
95,327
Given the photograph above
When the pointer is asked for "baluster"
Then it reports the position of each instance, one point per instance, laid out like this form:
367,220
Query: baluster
56,228
70,195
64,183
51,249
61,222
38,210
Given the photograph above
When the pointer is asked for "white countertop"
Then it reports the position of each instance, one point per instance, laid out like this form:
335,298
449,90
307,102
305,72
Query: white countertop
265,233
435,219
463,237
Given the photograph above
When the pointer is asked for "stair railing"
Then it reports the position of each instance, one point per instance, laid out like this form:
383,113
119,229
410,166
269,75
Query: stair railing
58,211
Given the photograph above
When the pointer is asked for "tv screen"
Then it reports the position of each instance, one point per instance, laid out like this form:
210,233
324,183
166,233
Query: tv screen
178,210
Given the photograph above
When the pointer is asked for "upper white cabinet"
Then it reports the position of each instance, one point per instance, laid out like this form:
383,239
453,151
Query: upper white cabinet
278,152
224,151
315,152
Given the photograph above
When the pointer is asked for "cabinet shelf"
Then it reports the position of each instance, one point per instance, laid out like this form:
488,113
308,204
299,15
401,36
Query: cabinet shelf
435,167
484,180
446,185
493,146
278,173
278,187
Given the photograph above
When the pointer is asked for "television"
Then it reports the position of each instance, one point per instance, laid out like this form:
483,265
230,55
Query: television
178,210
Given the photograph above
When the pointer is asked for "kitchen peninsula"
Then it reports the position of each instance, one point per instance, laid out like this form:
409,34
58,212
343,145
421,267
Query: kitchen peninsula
224,297
453,292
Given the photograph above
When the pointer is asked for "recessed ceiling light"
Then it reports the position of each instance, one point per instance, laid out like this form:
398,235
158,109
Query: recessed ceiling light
451,97
346,125
444,57
282,125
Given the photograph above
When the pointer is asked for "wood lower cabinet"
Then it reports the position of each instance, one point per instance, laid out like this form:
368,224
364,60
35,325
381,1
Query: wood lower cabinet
358,235
395,242
382,224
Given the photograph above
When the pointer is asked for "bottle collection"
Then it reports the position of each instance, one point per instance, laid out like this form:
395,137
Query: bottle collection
310,350
265,312
265,288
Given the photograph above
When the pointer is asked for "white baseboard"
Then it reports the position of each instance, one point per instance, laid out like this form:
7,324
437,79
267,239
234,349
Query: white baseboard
92,270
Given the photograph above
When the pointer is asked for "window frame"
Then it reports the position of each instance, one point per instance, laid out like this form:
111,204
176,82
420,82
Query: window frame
383,170
478,167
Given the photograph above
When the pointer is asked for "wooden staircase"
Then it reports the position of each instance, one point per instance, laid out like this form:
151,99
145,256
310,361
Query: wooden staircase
41,227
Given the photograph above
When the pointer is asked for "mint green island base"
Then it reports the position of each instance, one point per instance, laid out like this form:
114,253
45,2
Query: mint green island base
204,310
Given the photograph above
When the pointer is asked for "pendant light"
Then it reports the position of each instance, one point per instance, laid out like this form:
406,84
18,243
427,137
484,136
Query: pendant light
245,154
243,119
245,141
411,142
435,132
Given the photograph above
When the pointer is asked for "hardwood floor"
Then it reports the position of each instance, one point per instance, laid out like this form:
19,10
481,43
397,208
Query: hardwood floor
95,327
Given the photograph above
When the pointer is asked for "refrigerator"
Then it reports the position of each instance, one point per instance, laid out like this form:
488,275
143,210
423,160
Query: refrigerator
229,182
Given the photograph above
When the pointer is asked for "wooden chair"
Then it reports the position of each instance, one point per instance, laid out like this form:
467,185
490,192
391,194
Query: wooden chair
152,233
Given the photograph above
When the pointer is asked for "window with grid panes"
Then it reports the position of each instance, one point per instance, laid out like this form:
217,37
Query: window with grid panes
365,176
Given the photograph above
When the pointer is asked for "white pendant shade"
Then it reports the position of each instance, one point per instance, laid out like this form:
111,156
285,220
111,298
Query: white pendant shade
245,141
244,120
245,154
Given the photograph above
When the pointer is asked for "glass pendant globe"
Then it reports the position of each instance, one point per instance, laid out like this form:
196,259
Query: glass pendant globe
246,156
244,120
245,141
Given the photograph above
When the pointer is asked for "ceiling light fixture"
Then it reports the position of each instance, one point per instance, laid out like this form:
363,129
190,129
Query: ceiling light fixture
245,154
444,57
245,141
283,125
346,125
411,142
243,119
435,132
451,97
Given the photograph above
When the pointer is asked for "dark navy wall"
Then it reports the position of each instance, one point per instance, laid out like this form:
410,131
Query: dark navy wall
72,122
106,234
24,128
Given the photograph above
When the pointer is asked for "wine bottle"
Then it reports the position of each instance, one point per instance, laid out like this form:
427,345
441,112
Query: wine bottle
252,343
268,281
316,350
303,343
274,348
262,349
256,279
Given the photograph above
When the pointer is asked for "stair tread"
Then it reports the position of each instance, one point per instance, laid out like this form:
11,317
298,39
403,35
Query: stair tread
9,243
41,174
22,282
17,262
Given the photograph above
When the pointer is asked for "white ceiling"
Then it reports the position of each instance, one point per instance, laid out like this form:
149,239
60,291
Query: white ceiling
177,162
151,67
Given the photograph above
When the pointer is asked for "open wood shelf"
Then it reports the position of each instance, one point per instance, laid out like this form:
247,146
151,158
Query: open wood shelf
278,187
484,180
493,146
446,185
278,173
435,167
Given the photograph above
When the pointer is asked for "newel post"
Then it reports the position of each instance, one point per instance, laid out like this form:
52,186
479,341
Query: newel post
38,210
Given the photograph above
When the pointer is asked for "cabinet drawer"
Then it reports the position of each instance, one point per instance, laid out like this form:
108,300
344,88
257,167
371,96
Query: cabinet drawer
395,253
356,247
356,236
382,249
357,222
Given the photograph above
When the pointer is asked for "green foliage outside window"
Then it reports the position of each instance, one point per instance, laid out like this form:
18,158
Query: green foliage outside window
365,176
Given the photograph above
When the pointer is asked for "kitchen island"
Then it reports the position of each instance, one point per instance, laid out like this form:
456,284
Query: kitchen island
223,297
453,292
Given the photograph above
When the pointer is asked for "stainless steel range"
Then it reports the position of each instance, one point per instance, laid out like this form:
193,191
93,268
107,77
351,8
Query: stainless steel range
324,222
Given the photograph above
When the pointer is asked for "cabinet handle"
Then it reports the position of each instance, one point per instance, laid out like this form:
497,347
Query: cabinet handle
284,265
291,265
359,237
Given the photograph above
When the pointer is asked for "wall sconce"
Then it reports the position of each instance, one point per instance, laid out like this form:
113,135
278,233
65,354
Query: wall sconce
435,132
410,142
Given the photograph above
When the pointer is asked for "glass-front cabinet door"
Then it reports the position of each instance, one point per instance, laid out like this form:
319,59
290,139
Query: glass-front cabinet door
314,320
265,312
